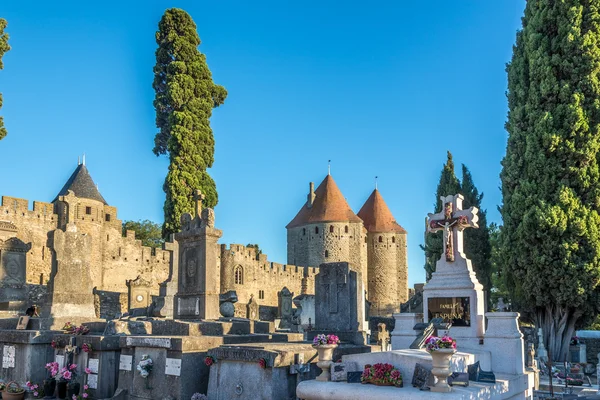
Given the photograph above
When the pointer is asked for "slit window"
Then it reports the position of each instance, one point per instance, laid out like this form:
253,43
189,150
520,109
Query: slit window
88,210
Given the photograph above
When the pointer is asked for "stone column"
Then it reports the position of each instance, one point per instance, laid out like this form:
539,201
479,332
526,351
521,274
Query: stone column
505,342
403,334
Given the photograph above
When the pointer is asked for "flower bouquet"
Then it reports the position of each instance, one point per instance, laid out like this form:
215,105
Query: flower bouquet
144,367
36,391
575,341
382,375
435,343
322,339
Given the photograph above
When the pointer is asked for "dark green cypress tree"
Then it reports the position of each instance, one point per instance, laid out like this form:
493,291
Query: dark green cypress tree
434,246
4,47
477,245
185,97
551,174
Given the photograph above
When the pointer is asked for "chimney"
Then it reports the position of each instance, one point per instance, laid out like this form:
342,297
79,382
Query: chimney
311,195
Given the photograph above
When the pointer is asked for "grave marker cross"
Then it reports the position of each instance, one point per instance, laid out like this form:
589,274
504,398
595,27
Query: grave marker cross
452,220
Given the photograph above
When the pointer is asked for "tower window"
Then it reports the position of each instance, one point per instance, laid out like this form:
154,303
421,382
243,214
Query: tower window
331,228
316,229
346,229
380,239
393,239
326,253
88,210
107,217
261,294
239,275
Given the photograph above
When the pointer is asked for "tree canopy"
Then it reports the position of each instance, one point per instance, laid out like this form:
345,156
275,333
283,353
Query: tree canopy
150,233
4,47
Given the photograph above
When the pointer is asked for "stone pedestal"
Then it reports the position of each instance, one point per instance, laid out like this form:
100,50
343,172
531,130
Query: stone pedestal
403,334
505,342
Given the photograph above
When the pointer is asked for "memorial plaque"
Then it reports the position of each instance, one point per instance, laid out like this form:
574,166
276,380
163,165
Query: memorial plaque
173,366
125,362
8,357
486,377
458,379
473,371
93,364
22,324
421,377
60,359
354,377
92,381
453,310
338,372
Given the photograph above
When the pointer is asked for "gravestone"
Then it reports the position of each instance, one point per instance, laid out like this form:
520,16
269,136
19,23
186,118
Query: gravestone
339,303
139,295
383,336
284,308
163,305
13,268
453,293
252,308
199,284
70,289
305,304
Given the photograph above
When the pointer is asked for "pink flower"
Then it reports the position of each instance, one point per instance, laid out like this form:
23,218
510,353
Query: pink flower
85,395
85,387
74,397
72,367
35,394
67,375
88,371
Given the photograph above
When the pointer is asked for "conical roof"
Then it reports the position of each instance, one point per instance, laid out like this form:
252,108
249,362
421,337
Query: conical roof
377,216
329,206
82,185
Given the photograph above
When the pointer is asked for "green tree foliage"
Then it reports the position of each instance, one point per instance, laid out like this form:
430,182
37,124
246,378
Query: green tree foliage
147,231
434,246
551,174
4,47
185,97
477,245
499,287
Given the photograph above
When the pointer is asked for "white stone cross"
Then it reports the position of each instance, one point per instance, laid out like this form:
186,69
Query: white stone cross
452,220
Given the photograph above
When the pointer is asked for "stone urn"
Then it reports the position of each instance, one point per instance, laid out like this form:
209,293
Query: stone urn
441,369
325,355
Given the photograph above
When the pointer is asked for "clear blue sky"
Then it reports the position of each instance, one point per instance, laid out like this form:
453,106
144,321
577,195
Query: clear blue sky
382,88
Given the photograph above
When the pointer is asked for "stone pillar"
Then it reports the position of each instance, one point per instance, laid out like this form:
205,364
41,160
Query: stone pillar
164,303
505,342
403,334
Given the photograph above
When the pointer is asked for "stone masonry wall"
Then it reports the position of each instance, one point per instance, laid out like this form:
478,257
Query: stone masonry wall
402,267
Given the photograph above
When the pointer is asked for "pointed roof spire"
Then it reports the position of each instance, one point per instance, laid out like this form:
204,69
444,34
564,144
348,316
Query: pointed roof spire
329,206
82,185
377,216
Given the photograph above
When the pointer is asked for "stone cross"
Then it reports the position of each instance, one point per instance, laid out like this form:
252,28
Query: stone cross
452,220
198,198
331,281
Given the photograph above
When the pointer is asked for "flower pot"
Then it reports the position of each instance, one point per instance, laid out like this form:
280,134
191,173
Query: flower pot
49,387
441,369
73,389
325,356
61,390
19,395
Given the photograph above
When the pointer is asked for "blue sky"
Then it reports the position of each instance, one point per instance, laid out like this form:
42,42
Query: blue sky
382,88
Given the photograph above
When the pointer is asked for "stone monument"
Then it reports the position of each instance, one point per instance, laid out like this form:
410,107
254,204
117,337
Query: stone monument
252,309
163,305
453,293
284,309
198,292
13,289
139,295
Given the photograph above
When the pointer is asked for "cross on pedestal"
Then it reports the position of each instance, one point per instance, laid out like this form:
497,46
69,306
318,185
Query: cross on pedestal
331,280
198,198
452,220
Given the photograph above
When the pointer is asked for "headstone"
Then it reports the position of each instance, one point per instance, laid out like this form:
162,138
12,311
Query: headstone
339,303
139,292
422,377
424,331
542,354
453,293
13,270
500,306
70,288
199,281
338,372
252,309
458,379
383,336
163,305
285,308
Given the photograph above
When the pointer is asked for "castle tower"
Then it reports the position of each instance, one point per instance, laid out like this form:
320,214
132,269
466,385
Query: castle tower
326,230
387,266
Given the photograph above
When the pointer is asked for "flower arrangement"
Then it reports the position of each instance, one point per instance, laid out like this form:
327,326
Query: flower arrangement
145,366
53,368
75,330
435,343
382,374
209,360
575,340
263,363
82,396
86,347
14,388
199,396
322,339
68,327
574,381
36,391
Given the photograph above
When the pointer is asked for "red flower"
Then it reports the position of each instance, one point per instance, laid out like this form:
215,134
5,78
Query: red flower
263,363
209,361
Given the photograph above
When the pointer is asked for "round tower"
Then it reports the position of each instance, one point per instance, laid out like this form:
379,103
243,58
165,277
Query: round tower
387,268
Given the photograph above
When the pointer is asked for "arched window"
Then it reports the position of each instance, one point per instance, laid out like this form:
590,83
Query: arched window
326,253
393,239
380,239
316,229
238,274
331,228
346,229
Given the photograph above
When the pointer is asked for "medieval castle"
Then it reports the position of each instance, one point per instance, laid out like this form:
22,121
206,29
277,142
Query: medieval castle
324,230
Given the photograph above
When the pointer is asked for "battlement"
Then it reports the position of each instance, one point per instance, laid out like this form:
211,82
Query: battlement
14,207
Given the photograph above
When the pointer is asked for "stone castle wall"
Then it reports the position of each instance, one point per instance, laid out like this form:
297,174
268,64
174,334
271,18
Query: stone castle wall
260,275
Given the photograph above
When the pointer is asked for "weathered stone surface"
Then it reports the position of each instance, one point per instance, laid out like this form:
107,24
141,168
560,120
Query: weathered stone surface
13,273
252,309
285,308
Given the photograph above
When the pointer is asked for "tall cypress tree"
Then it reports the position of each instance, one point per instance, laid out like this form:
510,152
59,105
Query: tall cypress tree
551,173
4,47
434,246
477,245
185,97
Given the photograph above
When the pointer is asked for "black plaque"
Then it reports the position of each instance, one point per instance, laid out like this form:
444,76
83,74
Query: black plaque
458,379
421,376
473,371
453,310
354,377
486,377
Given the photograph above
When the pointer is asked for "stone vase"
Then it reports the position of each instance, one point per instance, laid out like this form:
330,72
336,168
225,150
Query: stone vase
325,356
441,369
61,390
49,387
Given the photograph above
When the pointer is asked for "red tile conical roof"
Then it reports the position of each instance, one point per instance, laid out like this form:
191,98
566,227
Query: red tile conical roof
329,206
377,216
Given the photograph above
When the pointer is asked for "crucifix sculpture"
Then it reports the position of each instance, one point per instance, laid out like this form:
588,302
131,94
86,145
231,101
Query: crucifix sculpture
198,198
452,220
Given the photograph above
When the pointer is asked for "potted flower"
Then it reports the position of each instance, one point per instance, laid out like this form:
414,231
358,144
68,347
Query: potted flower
144,367
325,344
13,391
382,375
50,383
441,350
73,387
84,396
36,391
